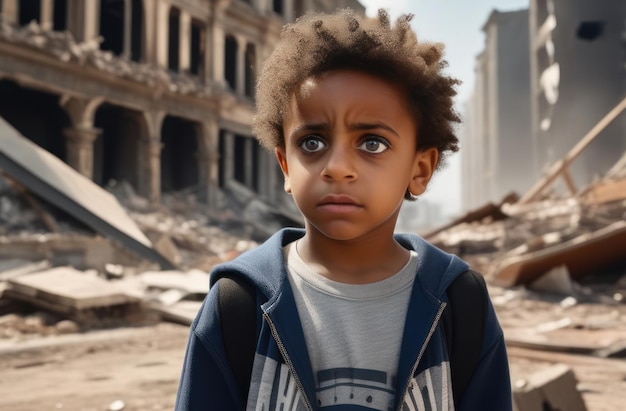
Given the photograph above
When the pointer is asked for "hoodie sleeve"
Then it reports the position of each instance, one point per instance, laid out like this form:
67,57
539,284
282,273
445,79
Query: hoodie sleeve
490,387
206,382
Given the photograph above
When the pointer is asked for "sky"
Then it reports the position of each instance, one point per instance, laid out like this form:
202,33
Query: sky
458,24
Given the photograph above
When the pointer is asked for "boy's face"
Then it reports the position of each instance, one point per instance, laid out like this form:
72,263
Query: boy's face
350,154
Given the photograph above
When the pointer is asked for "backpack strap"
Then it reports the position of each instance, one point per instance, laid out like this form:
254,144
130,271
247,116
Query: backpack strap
237,310
464,325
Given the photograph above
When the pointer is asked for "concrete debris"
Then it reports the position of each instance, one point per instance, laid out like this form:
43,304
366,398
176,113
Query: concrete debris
92,281
63,46
53,180
67,289
554,388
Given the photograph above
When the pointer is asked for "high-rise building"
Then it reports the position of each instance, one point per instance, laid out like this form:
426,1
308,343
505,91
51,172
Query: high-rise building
546,77
578,74
496,140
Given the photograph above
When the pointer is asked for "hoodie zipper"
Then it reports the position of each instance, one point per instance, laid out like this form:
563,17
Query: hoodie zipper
283,351
419,356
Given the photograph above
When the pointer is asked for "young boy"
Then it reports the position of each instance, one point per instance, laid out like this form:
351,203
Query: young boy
359,115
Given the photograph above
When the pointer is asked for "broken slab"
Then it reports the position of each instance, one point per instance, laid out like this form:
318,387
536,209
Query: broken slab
14,268
490,211
65,289
182,312
605,192
566,340
551,389
191,282
51,179
582,255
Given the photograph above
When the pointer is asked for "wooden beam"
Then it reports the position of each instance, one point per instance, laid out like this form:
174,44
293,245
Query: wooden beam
560,165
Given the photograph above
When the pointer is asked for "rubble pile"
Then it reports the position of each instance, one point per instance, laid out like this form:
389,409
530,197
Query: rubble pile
72,278
63,46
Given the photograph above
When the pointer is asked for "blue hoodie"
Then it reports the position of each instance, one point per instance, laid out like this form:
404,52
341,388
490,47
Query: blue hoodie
282,378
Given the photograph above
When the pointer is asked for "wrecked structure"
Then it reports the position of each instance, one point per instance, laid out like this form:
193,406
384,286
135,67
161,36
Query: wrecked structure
547,75
156,93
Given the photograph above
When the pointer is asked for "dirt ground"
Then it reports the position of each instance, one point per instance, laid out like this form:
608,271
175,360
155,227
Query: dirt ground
138,368
94,371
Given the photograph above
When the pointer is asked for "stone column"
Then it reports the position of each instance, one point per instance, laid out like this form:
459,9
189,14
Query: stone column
263,6
215,55
82,134
229,157
149,30
45,20
240,70
83,19
9,11
162,31
184,47
248,158
128,26
150,157
264,168
79,145
208,162
288,10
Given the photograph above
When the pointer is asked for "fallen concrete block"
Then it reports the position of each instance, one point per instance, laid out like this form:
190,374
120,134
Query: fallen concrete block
65,289
551,389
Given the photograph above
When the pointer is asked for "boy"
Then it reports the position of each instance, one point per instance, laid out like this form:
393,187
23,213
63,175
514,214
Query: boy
359,116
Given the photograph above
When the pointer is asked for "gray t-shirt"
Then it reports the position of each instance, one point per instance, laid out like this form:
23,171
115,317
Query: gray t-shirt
353,332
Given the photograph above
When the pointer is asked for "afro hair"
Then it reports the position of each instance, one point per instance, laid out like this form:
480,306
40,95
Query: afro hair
317,43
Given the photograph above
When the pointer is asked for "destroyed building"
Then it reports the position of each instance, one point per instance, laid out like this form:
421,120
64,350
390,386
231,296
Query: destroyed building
546,77
157,93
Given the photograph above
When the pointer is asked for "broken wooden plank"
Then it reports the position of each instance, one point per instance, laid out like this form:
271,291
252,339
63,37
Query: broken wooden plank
605,192
67,289
557,169
589,252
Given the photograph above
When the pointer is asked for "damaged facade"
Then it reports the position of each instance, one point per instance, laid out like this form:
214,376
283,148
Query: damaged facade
547,76
156,93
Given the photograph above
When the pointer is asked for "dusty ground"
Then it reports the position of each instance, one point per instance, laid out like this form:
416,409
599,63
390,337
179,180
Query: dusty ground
140,367
90,372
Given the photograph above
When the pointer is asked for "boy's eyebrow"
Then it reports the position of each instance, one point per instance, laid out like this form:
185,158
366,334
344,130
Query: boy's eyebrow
370,126
351,127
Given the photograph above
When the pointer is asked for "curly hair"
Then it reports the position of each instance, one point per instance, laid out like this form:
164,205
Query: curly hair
316,43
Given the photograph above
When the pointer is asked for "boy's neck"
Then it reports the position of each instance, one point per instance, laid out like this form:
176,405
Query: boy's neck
359,261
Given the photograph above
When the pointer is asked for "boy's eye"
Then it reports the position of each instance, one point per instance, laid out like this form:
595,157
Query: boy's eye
312,144
374,145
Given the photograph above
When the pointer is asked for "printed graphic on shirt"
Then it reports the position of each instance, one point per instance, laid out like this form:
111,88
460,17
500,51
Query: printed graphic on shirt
369,389
430,390
273,388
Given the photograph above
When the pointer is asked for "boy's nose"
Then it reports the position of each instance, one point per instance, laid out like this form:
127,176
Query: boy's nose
340,164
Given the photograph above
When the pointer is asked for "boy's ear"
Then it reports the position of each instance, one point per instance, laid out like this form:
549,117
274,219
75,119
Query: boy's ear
424,166
281,156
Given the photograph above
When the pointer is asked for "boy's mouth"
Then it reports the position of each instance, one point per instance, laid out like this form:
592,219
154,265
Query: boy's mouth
339,200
